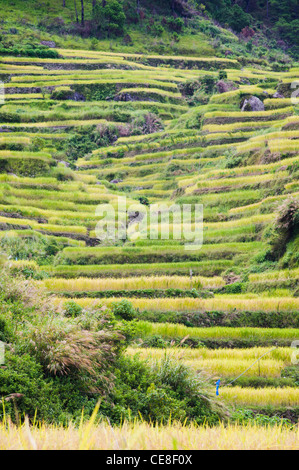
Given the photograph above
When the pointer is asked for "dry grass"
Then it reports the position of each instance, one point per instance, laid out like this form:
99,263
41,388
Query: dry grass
142,436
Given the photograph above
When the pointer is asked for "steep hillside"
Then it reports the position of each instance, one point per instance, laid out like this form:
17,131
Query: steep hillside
263,31
85,128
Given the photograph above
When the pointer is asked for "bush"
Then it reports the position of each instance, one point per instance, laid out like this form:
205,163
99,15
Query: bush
87,139
63,173
244,417
175,24
29,52
160,391
36,246
109,18
24,166
123,309
157,30
62,93
25,390
56,366
72,309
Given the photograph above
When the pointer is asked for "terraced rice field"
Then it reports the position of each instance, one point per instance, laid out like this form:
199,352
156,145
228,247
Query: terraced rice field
218,308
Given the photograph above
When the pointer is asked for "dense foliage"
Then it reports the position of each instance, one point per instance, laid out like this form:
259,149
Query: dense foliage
61,360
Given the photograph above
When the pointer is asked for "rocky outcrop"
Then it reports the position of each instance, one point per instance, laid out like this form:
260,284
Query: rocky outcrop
278,95
50,44
253,104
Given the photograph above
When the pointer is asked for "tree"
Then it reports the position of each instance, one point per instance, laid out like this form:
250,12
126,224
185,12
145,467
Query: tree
109,17
76,12
82,13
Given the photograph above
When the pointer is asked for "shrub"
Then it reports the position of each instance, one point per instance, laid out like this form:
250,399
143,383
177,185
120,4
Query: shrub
160,391
72,309
36,246
222,75
109,17
157,30
56,366
62,93
29,52
87,139
175,24
124,309
63,173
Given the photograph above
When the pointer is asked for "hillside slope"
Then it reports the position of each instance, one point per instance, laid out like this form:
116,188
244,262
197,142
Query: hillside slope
190,28
87,127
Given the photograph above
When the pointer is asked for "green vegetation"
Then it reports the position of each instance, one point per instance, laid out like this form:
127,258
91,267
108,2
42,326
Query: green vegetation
61,362
162,103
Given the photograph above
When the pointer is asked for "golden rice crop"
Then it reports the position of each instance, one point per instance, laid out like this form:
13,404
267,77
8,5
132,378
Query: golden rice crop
280,145
151,282
271,103
230,368
230,96
282,275
244,171
241,181
253,114
189,354
144,436
170,330
257,205
237,126
225,304
225,367
288,396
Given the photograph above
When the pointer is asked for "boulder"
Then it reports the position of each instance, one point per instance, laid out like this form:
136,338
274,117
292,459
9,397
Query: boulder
224,86
278,95
78,97
253,104
51,44
116,181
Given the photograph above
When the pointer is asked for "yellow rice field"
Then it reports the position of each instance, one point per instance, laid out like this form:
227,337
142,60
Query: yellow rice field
151,282
143,436
266,396
223,304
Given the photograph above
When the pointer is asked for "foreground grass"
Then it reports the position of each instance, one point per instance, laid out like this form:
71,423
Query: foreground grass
142,436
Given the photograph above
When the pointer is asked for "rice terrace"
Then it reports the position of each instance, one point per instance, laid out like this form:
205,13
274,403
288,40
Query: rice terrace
149,226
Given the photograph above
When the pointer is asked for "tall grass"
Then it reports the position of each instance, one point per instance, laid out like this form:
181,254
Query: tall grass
143,436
